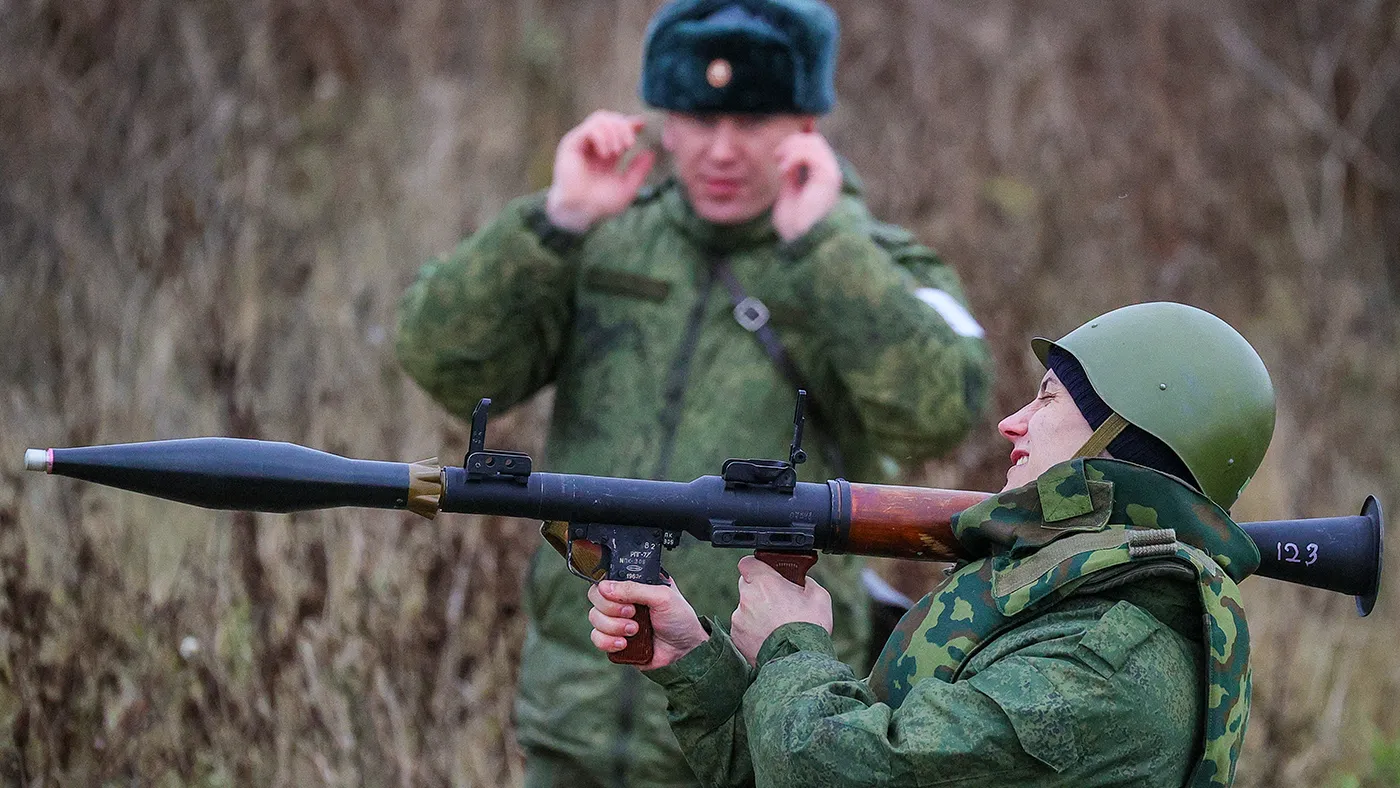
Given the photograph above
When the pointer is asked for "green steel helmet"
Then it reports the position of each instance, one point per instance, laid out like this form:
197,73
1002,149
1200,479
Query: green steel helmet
1188,379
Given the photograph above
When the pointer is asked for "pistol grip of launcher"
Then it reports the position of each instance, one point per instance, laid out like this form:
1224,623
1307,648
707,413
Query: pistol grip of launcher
639,647
792,566
635,554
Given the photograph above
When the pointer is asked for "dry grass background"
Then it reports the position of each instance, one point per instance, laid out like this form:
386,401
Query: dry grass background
208,210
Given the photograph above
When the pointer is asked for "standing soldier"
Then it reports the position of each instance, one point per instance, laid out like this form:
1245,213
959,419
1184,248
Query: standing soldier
676,322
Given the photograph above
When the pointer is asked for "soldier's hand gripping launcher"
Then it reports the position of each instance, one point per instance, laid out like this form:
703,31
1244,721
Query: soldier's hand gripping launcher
616,528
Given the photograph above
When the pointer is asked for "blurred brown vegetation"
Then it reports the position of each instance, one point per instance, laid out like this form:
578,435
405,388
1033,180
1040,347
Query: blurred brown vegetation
208,211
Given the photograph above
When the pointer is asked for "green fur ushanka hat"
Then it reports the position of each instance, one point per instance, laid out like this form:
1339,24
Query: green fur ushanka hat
741,56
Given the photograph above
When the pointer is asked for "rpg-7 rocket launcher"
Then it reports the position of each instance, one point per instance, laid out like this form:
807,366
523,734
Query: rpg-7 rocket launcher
616,528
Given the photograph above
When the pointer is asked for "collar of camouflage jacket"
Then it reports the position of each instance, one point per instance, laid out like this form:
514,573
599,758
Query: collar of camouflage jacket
716,238
1086,496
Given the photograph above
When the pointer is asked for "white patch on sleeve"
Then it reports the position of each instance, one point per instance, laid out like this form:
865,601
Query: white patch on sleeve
954,314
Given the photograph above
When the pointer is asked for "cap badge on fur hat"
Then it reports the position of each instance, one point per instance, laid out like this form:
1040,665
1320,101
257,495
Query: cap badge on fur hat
719,73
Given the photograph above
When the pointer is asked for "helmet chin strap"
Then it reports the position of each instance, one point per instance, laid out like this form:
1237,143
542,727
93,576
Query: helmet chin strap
1104,435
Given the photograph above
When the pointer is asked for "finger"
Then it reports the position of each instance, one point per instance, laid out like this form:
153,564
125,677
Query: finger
753,570
609,625
636,172
811,150
599,117
602,119
801,173
608,606
825,167
738,620
588,145
634,125
624,135
600,122
794,170
607,643
613,139
635,593
789,157
813,587
602,142
799,168
745,569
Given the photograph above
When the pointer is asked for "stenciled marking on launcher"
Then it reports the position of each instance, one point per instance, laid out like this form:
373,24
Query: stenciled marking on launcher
637,558
1291,553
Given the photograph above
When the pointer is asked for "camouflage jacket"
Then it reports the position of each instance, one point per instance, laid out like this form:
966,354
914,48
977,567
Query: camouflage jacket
1072,654
656,379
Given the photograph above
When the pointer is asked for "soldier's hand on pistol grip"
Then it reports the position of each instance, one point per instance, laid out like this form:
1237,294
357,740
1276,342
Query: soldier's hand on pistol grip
767,601
810,184
675,627
588,186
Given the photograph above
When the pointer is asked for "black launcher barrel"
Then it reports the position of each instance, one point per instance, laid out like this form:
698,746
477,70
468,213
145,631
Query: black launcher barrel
1341,554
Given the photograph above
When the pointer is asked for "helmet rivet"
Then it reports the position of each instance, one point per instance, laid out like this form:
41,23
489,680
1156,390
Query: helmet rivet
1093,325
1162,386
1230,461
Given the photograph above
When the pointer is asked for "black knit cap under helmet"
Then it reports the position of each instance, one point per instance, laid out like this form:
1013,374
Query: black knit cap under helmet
1132,444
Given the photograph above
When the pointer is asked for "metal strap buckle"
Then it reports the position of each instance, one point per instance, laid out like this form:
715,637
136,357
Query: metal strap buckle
751,313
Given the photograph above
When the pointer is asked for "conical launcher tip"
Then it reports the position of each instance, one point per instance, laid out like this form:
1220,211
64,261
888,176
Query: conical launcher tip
36,460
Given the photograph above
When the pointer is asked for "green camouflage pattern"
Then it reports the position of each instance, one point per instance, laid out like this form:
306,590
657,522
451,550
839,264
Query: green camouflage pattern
1098,691
1095,681
655,379
1046,540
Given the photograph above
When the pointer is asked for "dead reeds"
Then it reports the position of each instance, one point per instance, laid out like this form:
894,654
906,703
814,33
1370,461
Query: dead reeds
207,212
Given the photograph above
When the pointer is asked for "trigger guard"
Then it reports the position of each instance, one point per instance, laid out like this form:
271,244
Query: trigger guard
573,570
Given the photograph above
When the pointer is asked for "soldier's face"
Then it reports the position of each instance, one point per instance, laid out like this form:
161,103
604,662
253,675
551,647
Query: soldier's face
1047,431
728,163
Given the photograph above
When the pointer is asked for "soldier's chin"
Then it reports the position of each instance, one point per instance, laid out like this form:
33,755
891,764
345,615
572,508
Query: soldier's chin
726,211
1017,476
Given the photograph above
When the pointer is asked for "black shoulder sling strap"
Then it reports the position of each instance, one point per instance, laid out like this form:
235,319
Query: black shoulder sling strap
753,316
887,606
